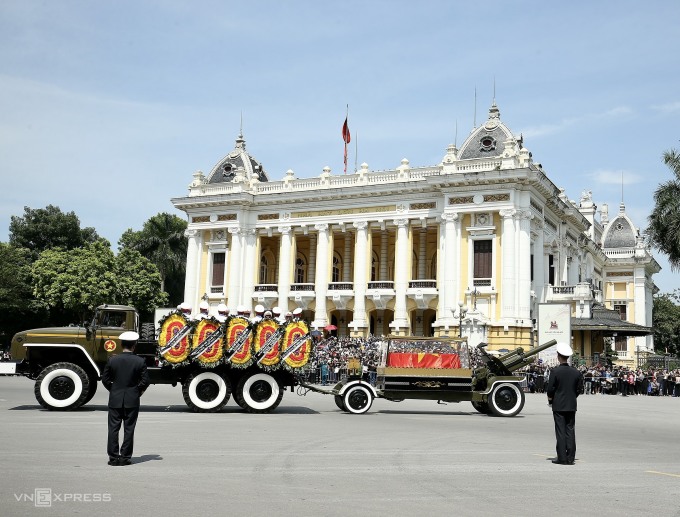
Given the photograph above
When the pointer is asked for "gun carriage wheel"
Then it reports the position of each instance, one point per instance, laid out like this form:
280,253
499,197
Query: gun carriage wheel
260,393
506,399
358,399
482,407
340,403
206,392
62,386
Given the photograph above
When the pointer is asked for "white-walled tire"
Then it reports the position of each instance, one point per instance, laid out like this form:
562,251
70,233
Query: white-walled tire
340,403
357,399
260,393
206,392
62,386
506,399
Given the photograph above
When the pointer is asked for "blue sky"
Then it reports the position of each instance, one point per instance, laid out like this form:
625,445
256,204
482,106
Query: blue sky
108,107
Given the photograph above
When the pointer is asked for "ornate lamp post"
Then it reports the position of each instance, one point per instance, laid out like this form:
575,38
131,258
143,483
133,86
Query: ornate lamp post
462,311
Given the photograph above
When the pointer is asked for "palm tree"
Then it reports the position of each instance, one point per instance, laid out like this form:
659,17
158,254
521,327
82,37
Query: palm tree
163,242
663,231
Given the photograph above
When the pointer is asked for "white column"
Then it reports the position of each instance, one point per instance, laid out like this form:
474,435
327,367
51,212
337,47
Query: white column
345,258
284,266
250,266
539,264
321,280
193,266
508,265
524,265
447,280
311,272
361,257
235,273
401,257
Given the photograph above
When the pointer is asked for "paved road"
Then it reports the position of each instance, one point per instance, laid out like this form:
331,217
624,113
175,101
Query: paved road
310,459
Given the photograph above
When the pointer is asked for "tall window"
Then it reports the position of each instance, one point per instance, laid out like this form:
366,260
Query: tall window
483,259
551,269
263,270
337,269
300,270
621,343
218,269
374,267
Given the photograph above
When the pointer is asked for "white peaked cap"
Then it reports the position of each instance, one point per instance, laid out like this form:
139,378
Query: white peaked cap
222,308
564,349
259,308
276,310
129,335
204,305
297,311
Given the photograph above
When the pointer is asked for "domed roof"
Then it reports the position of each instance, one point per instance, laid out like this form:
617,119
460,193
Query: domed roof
487,140
620,233
237,162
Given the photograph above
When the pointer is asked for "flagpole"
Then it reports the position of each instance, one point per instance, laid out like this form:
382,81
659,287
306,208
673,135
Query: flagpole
347,121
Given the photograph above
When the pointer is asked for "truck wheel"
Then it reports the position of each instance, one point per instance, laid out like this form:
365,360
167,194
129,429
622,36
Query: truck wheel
206,392
482,407
506,399
92,390
357,399
340,403
260,393
62,386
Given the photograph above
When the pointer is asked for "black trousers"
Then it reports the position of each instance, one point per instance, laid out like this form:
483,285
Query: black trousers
565,422
127,416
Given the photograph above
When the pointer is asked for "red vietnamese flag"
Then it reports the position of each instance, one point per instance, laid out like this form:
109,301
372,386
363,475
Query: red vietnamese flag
347,138
345,132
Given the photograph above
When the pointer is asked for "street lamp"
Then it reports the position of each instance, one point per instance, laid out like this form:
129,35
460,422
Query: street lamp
462,311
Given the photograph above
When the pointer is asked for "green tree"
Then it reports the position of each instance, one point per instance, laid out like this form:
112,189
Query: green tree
45,228
17,310
74,282
666,323
663,231
162,241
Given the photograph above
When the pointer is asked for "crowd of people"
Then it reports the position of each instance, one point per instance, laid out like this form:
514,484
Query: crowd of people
614,380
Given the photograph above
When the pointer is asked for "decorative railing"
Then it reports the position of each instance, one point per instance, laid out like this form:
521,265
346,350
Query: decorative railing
261,288
340,286
422,284
481,282
381,285
302,287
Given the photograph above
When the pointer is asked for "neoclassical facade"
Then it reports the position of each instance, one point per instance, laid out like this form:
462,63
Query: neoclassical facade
472,245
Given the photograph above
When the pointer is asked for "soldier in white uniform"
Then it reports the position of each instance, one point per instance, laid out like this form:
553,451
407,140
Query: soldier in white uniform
259,313
222,313
203,309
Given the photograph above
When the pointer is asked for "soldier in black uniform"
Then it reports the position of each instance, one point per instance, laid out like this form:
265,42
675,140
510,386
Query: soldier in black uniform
126,378
564,386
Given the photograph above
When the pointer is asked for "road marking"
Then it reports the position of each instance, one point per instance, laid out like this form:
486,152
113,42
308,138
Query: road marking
662,473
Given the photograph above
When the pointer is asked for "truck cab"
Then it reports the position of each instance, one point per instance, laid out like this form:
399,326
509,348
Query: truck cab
67,362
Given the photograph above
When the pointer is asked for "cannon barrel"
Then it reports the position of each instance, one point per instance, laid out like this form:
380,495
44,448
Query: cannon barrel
518,357
511,361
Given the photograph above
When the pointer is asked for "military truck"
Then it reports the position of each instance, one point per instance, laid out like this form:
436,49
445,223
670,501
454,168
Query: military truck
439,369
210,359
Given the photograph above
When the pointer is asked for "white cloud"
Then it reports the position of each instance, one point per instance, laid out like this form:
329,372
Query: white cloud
615,177
581,120
670,107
